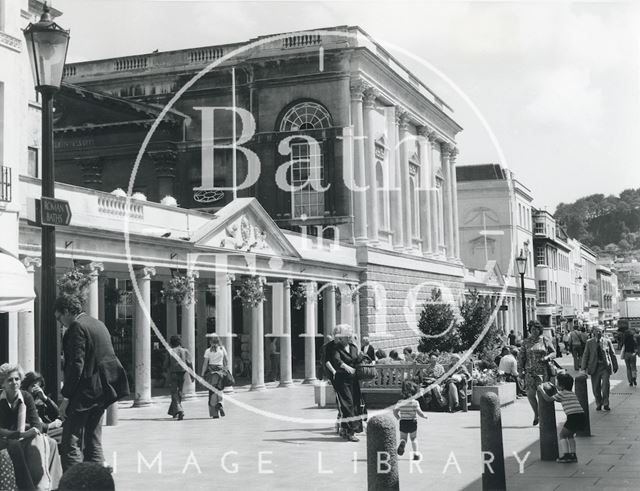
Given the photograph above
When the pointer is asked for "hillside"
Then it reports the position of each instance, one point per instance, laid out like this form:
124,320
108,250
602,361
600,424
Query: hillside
607,224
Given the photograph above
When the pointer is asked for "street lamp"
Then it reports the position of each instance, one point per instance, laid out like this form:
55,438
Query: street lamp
521,264
47,45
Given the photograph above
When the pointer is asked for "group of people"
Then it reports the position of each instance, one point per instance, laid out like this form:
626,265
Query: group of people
43,441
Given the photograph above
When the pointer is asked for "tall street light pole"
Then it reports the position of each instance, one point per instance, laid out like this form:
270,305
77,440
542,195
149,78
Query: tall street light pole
47,44
521,263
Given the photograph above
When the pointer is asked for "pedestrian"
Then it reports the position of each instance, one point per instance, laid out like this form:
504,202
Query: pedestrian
576,419
176,363
577,340
537,350
566,340
93,380
628,354
342,356
214,371
368,350
599,361
47,409
406,411
512,338
409,357
274,359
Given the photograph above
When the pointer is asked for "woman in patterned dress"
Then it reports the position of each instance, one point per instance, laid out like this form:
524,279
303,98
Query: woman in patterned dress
537,350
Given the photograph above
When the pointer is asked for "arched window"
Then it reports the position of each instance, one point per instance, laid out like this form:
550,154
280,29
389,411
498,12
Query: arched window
305,116
307,158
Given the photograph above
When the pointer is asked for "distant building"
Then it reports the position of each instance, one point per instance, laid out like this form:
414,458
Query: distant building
495,226
590,285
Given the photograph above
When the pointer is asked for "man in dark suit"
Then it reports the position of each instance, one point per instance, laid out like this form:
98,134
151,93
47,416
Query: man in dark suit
93,380
599,361
367,349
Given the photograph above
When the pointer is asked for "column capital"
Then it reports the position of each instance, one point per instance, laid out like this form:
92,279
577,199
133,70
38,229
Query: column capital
230,278
95,268
357,86
402,118
287,283
369,96
453,154
433,138
145,272
425,131
31,262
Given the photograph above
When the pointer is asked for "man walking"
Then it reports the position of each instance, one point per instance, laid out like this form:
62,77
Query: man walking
577,340
599,361
93,380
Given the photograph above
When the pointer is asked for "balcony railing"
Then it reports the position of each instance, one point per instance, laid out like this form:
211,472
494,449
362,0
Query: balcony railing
5,183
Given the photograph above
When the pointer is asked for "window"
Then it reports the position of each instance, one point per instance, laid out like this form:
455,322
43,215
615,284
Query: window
307,167
32,163
542,291
305,116
539,228
540,256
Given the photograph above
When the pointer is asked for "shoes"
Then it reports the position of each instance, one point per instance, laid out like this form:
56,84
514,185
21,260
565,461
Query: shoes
221,410
607,408
401,447
417,456
574,458
535,421
180,416
353,438
599,407
566,459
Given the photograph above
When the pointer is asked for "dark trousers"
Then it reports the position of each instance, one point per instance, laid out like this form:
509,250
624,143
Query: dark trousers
347,390
177,382
577,356
82,438
600,385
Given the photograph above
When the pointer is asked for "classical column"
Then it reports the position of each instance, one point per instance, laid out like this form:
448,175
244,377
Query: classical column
311,329
172,319
356,317
424,192
395,192
454,194
346,304
447,199
370,95
26,324
201,324
286,379
93,296
91,168
142,344
101,298
164,162
224,312
407,219
189,329
257,347
359,196
329,307
433,195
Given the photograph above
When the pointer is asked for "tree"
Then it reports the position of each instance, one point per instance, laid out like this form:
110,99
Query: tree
438,325
476,314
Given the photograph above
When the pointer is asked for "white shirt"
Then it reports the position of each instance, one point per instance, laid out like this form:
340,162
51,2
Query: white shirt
508,364
215,357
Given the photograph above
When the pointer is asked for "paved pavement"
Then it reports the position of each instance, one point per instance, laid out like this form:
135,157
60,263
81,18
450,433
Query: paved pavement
278,439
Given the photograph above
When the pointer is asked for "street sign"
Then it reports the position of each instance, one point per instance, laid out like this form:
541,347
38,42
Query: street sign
54,211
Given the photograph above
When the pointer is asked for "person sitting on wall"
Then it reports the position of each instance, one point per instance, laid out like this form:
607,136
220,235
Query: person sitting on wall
409,357
47,409
429,376
395,358
381,358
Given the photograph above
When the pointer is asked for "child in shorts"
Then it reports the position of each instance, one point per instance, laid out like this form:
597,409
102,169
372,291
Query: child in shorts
576,419
407,411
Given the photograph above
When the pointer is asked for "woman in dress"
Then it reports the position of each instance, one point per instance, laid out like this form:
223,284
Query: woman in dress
342,355
214,371
33,383
34,456
537,350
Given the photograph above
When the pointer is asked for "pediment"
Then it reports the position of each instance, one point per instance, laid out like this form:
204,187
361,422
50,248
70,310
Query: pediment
244,226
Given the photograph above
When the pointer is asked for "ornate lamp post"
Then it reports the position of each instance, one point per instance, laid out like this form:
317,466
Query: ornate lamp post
47,45
521,263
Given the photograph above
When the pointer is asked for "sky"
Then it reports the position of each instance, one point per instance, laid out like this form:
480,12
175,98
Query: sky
556,83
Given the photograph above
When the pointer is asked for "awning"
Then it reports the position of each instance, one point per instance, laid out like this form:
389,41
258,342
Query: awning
16,285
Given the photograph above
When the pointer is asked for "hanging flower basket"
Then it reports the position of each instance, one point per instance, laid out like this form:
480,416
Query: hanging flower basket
178,290
299,296
74,282
250,290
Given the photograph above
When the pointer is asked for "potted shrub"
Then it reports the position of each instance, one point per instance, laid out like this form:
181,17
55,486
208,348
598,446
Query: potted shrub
488,380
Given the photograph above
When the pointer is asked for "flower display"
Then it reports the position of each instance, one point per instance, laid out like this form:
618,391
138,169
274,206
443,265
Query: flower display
179,290
250,290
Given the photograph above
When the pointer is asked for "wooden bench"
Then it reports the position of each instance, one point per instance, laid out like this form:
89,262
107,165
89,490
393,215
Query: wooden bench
386,388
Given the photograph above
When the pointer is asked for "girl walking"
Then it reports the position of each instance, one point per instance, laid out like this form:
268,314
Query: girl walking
214,371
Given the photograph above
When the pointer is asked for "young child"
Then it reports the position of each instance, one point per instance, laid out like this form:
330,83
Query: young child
576,419
407,411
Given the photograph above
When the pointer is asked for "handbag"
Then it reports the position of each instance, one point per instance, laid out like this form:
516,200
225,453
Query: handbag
365,370
552,368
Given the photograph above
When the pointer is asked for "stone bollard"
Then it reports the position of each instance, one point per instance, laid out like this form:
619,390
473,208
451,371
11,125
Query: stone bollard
112,414
583,397
548,436
493,473
382,457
